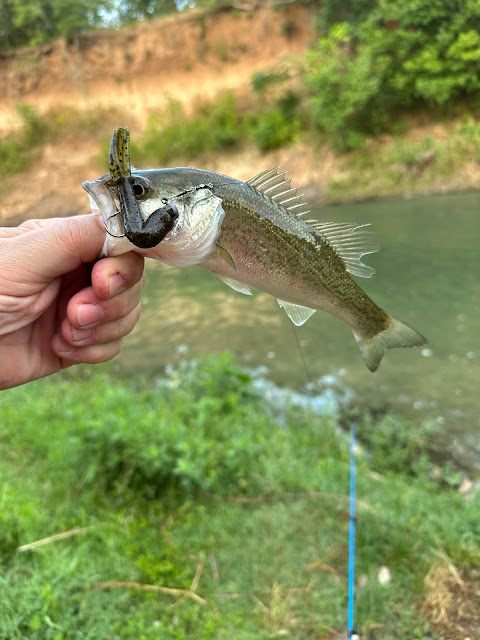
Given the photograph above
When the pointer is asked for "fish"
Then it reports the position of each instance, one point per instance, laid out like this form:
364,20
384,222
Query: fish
253,234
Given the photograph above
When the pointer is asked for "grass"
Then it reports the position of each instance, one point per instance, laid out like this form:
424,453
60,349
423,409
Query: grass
19,150
403,164
191,485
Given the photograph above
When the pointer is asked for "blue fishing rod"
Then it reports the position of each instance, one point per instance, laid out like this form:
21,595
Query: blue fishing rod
352,634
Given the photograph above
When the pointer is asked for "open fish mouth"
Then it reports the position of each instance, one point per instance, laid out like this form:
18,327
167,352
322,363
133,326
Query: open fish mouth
104,203
101,198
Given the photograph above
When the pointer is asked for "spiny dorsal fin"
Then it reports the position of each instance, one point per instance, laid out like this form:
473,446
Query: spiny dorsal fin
351,241
275,187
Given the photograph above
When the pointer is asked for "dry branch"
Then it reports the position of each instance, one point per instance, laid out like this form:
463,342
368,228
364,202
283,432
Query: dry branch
118,584
195,581
76,531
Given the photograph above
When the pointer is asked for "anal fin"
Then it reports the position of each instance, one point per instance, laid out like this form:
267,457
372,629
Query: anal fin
297,314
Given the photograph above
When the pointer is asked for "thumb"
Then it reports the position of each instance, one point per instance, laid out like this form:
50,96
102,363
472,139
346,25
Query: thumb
59,247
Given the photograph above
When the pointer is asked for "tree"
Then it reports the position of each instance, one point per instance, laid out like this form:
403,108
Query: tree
397,55
33,22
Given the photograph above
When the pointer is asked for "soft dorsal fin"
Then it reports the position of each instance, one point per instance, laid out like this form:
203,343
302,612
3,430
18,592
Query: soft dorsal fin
275,187
297,314
351,241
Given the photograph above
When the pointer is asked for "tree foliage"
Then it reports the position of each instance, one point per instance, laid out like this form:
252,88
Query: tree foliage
33,22
385,56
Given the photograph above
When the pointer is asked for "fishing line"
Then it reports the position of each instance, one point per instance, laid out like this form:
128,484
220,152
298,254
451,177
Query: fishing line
307,372
352,634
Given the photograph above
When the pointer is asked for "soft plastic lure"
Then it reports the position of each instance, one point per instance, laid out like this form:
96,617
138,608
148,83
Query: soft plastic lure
142,233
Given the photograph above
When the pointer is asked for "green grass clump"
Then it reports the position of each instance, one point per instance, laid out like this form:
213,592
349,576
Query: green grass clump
400,164
191,484
14,155
279,125
16,150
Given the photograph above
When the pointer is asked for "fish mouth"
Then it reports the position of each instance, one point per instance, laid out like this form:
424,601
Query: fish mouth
103,203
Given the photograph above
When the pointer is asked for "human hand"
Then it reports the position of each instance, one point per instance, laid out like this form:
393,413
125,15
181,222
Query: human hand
55,308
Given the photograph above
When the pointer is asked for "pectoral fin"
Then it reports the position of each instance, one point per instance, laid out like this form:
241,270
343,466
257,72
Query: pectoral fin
297,314
224,255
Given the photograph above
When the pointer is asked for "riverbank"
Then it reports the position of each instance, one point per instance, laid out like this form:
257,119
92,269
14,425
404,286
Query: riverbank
425,160
209,518
190,88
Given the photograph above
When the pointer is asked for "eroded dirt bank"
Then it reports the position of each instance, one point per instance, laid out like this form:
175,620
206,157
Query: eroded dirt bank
187,57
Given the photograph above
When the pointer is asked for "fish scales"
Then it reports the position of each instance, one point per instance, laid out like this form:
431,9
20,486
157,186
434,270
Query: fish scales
280,254
248,236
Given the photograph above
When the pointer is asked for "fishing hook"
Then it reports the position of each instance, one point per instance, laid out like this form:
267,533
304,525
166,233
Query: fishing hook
113,235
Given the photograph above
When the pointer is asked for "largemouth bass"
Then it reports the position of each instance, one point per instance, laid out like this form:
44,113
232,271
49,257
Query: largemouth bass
253,234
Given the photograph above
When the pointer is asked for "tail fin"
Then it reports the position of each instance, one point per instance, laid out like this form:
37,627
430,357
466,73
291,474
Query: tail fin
397,334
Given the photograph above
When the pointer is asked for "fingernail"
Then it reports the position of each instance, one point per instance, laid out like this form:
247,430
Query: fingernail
116,283
88,314
81,334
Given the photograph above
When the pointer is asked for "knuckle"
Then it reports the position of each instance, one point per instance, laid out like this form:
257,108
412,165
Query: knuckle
31,224
71,233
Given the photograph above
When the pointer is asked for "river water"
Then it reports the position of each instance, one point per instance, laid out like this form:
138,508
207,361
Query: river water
428,274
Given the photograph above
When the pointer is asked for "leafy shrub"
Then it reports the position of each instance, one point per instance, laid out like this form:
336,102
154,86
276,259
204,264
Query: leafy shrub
390,56
172,134
398,445
199,441
272,129
261,80
35,129
280,125
16,149
13,155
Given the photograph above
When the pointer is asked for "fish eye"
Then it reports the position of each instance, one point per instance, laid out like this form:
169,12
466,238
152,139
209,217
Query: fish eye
140,188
